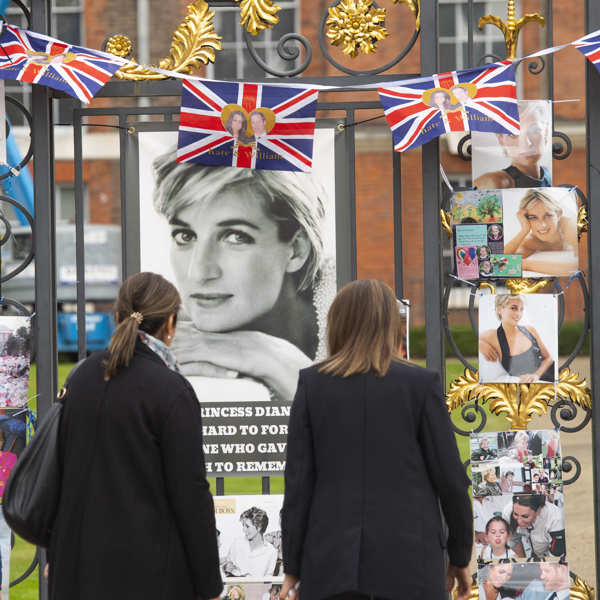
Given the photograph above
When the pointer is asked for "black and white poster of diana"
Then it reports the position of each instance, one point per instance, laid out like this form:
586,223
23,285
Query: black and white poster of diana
252,254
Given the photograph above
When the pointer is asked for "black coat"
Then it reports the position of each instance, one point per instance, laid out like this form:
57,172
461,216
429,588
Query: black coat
136,518
368,458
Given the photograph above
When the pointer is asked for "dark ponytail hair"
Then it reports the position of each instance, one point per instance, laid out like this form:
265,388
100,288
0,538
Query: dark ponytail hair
153,300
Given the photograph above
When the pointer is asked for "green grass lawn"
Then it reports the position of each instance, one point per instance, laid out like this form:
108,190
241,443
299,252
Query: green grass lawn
23,553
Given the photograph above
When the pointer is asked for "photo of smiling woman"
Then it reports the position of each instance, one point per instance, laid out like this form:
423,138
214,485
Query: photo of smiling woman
518,338
541,226
252,255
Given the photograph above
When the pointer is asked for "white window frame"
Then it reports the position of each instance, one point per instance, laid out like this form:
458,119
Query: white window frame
267,40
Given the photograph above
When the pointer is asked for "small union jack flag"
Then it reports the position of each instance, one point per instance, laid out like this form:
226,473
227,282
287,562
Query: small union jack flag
34,58
589,45
247,125
483,99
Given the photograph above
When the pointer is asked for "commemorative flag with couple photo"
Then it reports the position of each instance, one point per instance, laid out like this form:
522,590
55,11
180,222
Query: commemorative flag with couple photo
589,46
34,58
483,99
247,125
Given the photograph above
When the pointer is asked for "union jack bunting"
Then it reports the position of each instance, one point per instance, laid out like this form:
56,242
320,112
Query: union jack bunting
247,125
471,100
35,58
589,45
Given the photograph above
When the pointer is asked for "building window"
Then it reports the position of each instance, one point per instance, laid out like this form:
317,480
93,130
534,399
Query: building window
66,25
65,203
234,60
454,26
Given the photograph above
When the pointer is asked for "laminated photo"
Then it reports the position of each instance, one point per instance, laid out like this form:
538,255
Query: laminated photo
518,338
404,308
249,537
541,226
524,581
501,161
251,591
13,435
15,342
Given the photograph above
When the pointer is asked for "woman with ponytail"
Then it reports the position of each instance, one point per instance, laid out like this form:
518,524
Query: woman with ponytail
135,518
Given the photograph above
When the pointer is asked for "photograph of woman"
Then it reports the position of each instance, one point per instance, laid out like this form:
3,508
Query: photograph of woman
237,126
492,578
518,338
253,255
251,555
541,226
516,161
440,99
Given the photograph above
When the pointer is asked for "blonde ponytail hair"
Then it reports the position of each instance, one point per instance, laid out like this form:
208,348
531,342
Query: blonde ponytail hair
144,303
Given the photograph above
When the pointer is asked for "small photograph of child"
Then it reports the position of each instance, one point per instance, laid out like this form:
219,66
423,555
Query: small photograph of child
541,226
485,268
496,533
518,338
511,477
495,232
483,253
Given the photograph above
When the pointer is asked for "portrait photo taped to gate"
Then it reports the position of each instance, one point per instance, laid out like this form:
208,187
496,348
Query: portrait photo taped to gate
518,338
502,160
506,580
249,537
253,255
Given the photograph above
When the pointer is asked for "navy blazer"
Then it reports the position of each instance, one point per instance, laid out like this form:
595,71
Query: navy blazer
369,460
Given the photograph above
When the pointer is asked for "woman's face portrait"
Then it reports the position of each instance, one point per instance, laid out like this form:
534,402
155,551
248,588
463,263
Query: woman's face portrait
524,515
439,100
498,575
542,220
228,260
250,531
237,123
512,311
490,476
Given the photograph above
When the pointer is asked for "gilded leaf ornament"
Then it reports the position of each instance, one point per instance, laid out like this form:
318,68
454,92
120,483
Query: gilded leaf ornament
258,15
519,403
415,8
582,220
446,221
512,27
194,42
356,25
527,286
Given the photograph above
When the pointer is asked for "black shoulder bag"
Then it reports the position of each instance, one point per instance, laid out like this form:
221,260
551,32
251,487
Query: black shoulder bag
30,499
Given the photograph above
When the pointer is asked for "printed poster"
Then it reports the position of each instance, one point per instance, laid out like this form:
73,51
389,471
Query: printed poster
501,160
249,538
518,338
252,254
15,341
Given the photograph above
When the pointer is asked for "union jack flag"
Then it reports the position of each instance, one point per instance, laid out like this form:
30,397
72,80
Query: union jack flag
483,99
34,58
589,45
247,125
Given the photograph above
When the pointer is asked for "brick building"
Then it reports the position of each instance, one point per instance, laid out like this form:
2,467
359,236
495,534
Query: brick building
150,23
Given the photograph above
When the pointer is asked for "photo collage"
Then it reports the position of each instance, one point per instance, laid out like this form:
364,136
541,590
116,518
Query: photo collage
525,232
518,512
